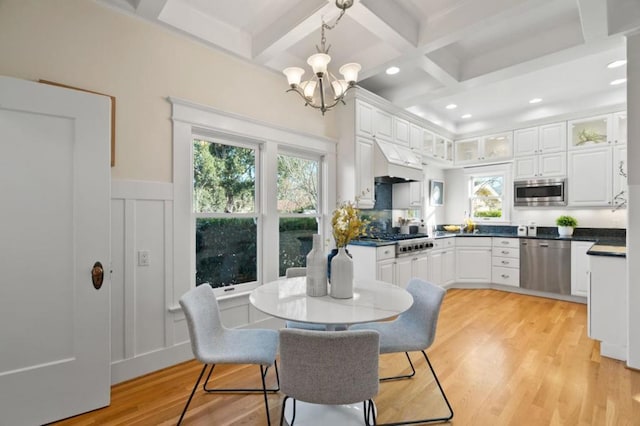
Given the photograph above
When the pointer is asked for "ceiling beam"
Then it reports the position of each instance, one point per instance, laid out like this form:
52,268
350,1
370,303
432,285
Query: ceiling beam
150,9
593,18
301,19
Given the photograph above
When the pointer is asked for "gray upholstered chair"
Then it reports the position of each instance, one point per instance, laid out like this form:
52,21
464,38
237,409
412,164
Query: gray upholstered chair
212,343
328,367
413,330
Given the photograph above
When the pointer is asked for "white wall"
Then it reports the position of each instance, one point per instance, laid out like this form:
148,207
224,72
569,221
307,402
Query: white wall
457,203
85,44
433,215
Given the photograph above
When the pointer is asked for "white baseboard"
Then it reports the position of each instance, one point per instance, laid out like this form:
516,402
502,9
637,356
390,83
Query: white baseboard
565,297
147,363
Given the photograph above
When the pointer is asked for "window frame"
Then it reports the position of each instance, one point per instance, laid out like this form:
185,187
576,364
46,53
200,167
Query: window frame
502,170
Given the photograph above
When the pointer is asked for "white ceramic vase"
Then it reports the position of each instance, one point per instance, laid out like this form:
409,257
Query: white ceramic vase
316,269
342,275
565,231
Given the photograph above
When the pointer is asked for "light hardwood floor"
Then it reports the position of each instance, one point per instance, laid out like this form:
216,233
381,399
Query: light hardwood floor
502,358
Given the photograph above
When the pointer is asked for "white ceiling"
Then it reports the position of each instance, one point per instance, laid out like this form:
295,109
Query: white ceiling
489,57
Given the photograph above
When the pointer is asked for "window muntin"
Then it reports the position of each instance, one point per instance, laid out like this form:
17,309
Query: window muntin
226,213
487,197
298,207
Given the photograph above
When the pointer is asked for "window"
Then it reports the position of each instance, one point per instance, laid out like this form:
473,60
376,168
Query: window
298,207
226,213
489,195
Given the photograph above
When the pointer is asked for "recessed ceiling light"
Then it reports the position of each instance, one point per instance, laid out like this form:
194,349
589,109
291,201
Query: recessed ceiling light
466,116
618,63
618,81
535,100
392,70
451,106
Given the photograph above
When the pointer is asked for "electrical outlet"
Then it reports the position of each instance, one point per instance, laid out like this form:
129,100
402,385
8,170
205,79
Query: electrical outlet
143,257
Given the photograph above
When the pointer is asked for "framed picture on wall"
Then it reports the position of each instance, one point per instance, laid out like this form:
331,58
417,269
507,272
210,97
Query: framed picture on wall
436,193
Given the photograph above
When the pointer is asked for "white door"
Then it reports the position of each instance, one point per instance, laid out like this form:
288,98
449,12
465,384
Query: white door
54,187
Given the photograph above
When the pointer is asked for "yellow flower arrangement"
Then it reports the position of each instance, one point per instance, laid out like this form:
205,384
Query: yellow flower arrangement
346,224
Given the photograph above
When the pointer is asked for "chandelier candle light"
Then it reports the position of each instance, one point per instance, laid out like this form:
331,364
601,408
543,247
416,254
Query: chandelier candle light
324,91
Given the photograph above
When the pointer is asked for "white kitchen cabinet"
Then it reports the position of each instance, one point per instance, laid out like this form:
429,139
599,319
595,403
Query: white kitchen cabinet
386,270
442,149
364,119
415,266
552,164
484,149
540,140
580,268
607,304
371,122
407,195
442,262
590,177
401,131
382,125
473,259
365,185
608,129
416,139
505,261
374,263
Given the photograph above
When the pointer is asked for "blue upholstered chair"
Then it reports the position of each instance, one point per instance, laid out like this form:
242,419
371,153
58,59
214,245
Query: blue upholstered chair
413,330
212,343
329,367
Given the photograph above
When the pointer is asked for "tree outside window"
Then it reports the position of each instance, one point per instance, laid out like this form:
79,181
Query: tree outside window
487,196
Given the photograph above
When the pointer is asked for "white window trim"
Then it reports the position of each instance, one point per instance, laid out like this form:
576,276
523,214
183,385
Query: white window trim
507,198
191,119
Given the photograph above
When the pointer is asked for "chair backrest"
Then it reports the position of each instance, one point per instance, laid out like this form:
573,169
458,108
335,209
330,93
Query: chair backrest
201,310
329,367
422,317
296,272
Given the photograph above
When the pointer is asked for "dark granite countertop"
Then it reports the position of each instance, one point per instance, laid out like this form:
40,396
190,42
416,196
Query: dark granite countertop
372,242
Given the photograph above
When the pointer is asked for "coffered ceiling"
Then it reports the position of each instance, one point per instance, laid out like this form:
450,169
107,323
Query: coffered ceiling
488,57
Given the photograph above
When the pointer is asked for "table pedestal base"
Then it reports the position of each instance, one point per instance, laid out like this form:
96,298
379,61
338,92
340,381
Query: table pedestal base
316,414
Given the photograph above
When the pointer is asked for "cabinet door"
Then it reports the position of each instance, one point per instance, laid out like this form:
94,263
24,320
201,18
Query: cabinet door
364,173
401,131
382,125
400,195
467,151
436,267
364,119
590,180
403,270
416,135
473,265
420,267
620,190
415,194
587,132
525,167
497,147
553,137
428,143
580,267
525,142
448,267
619,123
386,270
552,164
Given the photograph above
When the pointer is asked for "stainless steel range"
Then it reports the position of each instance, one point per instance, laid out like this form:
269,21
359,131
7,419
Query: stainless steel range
413,245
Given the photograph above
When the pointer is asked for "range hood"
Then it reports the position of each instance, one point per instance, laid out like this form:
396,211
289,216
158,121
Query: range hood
396,163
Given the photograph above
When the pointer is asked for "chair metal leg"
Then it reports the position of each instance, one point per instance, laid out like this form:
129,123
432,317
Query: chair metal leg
406,376
184,410
369,412
241,390
444,396
284,406
263,372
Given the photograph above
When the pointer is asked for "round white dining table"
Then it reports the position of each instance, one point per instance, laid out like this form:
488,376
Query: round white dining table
372,301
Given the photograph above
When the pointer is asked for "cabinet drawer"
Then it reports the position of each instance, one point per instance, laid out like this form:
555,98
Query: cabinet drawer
444,243
506,242
506,252
505,262
506,276
386,252
473,241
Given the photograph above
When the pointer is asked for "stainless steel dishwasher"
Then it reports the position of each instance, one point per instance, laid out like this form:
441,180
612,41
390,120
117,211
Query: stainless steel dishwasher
545,265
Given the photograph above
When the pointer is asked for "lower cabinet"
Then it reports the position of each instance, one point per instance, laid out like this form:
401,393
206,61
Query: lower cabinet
416,266
505,261
607,304
473,259
580,268
377,263
442,262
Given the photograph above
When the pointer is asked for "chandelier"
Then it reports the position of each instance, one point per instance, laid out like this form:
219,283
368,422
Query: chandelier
324,90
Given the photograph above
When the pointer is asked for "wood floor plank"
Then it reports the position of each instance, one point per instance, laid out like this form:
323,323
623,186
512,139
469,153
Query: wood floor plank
502,358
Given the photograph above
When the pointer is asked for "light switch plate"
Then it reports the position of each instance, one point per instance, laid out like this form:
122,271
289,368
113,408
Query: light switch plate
143,257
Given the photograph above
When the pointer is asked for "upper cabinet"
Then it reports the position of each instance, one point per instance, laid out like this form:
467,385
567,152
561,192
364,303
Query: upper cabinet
443,149
401,131
484,149
540,151
608,129
372,122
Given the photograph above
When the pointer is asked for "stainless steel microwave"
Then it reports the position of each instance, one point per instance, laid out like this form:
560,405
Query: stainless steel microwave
540,192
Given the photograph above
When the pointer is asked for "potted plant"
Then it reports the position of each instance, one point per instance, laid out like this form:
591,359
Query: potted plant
566,225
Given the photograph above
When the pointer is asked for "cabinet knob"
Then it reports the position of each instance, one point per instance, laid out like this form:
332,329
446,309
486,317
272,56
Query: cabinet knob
505,252
504,276
505,262
505,242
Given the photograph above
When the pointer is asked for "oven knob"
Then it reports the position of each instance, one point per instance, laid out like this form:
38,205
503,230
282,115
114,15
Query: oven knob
429,245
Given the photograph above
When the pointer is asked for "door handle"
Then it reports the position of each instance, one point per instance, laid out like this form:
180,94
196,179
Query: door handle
97,275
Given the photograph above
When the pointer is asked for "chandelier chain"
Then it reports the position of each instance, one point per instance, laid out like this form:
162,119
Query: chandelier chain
323,39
